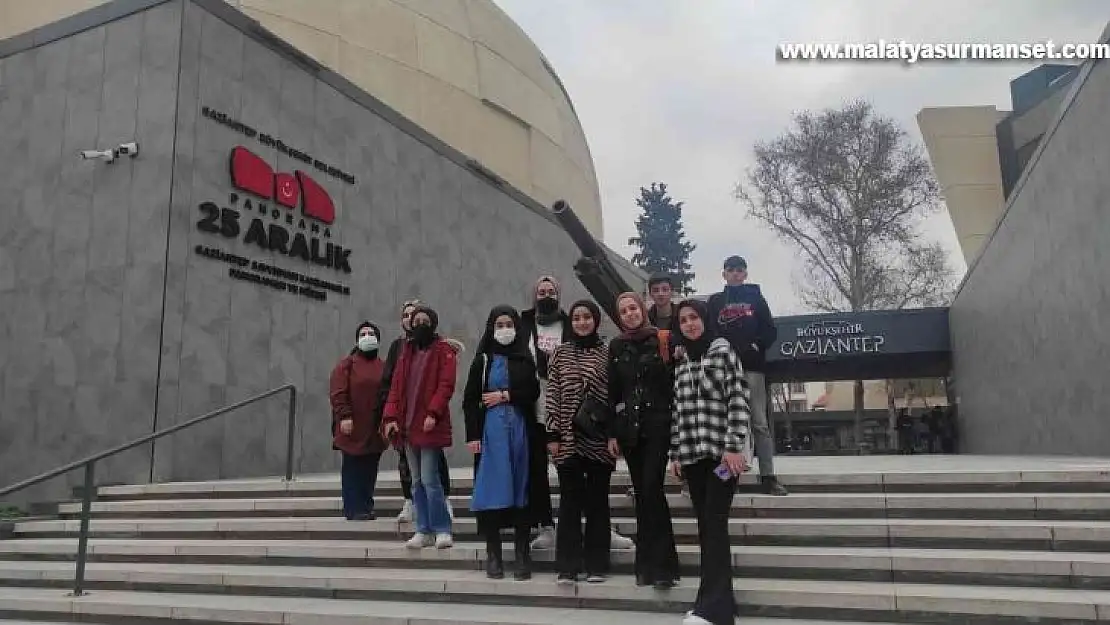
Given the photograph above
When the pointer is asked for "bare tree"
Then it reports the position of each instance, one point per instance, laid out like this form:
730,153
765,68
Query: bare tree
849,190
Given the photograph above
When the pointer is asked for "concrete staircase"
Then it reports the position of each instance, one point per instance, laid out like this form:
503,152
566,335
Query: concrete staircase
976,545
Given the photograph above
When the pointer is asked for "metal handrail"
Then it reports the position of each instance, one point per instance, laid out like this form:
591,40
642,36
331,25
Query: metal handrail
89,464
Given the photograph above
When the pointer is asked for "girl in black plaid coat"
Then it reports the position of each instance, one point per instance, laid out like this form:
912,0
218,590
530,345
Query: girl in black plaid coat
708,434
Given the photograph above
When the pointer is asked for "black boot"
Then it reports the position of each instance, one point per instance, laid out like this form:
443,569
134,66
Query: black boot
495,562
523,555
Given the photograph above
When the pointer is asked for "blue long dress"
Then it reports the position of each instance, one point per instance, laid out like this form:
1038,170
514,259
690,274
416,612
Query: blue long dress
502,479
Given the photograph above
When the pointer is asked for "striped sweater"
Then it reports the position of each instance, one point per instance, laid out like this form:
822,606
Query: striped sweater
571,373
711,412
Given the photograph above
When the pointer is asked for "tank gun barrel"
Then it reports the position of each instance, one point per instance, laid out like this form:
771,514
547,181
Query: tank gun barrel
594,270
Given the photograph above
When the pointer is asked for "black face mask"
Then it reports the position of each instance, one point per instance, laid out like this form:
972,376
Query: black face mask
547,305
422,335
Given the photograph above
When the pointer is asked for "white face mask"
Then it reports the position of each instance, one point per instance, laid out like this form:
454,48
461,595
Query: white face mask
367,342
505,336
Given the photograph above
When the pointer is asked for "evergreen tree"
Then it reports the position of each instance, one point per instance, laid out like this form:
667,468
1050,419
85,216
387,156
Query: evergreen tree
660,237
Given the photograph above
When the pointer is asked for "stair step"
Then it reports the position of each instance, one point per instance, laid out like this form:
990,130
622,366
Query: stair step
766,597
1091,506
994,534
1091,476
105,606
1020,568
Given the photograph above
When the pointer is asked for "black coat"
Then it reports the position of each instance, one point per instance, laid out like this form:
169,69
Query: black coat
641,388
387,375
524,392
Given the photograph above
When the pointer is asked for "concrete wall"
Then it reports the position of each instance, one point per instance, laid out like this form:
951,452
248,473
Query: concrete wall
1029,328
82,243
107,313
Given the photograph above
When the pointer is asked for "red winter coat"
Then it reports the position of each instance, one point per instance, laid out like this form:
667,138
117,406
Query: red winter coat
434,398
354,394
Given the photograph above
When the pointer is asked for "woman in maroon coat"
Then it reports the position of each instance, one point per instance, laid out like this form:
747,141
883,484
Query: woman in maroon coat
417,415
354,389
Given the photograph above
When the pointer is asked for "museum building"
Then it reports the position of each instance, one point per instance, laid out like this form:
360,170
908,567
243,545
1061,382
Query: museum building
200,201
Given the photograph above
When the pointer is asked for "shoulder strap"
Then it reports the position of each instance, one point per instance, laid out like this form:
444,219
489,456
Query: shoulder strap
485,371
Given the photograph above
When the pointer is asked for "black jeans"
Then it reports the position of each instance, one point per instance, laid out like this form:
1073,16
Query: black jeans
358,477
539,489
584,490
712,499
656,554
406,474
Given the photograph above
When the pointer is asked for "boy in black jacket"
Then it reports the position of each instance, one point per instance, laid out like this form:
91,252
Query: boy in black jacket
743,317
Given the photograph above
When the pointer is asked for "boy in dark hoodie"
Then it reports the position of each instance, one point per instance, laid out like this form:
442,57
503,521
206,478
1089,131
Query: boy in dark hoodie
742,316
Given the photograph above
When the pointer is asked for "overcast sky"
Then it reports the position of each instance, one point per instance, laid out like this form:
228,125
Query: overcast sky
678,91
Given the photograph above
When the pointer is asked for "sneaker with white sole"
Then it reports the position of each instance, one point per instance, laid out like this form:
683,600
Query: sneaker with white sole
694,619
406,512
546,539
620,543
444,541
419,541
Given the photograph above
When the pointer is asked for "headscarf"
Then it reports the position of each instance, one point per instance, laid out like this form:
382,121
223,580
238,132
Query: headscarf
517,349
412,303
545,318
377,332
646,329
425,341
592,339
695,349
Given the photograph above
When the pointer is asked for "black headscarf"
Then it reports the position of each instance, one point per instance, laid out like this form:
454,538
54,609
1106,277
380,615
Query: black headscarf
377,332
695,349
487,345
424,339
592,339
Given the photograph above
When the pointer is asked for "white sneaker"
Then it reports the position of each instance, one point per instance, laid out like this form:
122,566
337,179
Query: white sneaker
694,619
620,543
406,512
444,541
546,539
419,541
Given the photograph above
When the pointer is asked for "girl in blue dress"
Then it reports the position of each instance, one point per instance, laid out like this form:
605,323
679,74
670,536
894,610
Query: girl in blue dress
499,402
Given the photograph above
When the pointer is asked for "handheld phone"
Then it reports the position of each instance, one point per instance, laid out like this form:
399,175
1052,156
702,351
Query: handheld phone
722,472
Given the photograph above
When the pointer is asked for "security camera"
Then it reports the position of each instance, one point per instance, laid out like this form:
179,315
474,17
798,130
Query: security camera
128,149
104,155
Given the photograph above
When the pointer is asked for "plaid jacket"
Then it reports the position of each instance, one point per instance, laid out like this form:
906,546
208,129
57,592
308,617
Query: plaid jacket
711,412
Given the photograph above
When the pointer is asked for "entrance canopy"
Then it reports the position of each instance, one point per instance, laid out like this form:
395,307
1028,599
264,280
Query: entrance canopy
872,345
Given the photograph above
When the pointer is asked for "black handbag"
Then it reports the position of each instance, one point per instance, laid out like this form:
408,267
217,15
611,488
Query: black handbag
591,417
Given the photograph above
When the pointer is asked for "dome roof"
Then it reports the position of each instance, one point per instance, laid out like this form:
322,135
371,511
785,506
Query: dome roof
461,69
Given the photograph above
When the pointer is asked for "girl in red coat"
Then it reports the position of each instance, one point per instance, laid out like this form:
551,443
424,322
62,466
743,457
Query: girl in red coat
354,390
417,416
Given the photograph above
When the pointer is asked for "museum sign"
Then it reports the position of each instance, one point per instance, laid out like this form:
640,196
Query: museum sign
261,212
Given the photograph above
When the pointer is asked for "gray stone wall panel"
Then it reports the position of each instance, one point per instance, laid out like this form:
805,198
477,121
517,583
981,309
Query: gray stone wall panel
81,283
1029,336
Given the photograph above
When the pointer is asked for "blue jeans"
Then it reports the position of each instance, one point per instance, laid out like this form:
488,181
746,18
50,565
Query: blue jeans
427,491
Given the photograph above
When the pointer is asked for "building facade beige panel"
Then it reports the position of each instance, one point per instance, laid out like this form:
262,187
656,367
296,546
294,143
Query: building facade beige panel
434,61
963,147
447,56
